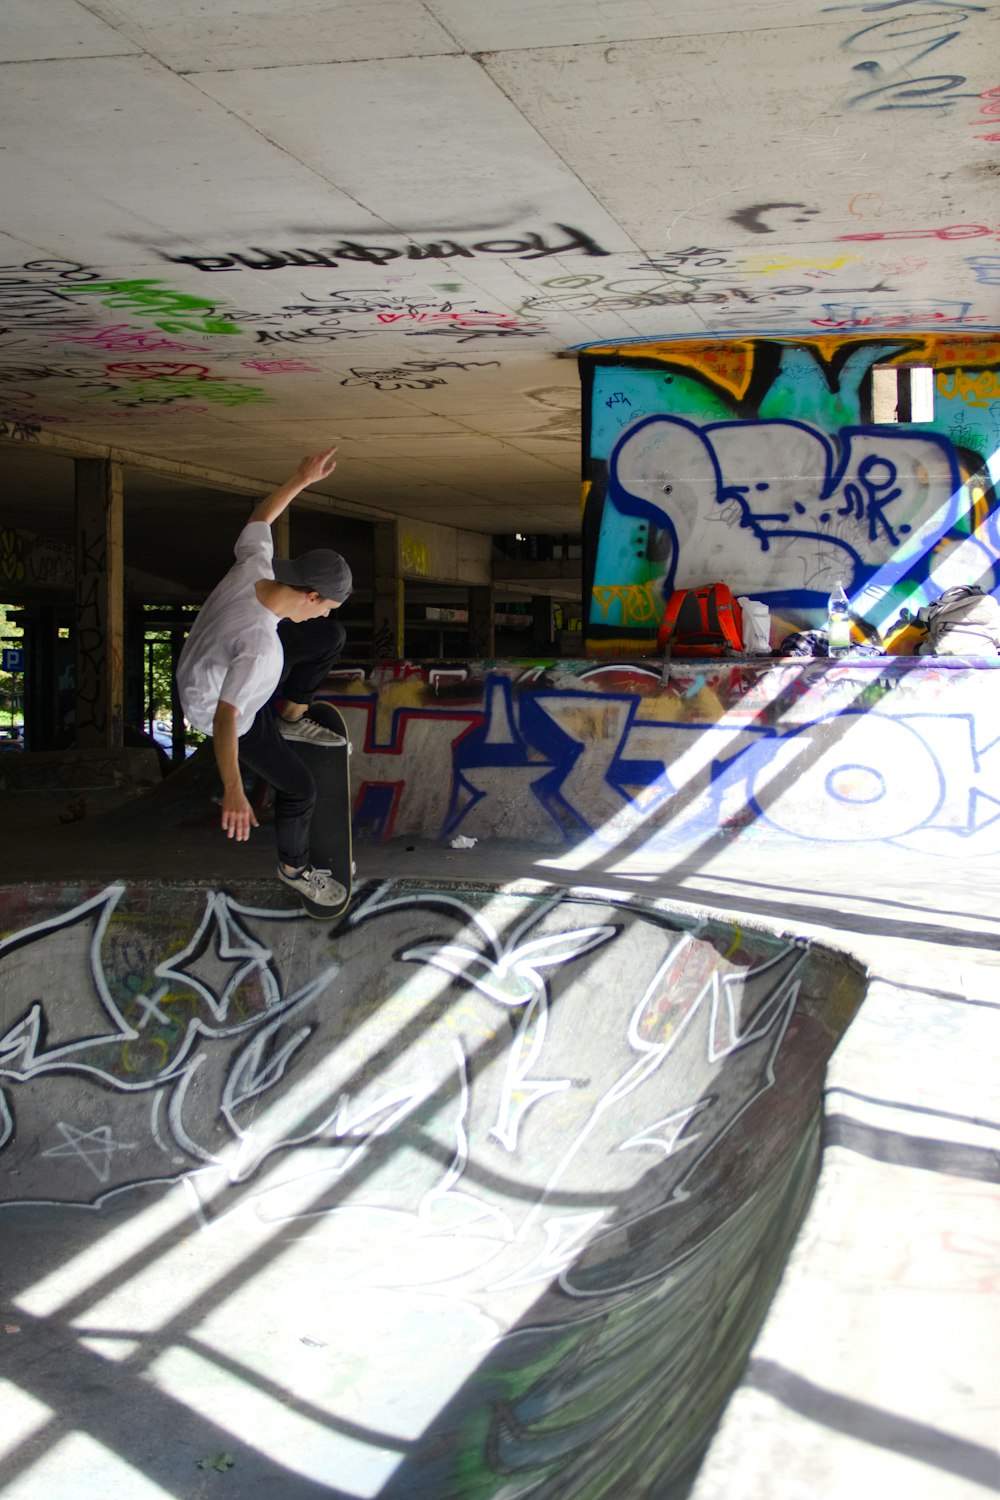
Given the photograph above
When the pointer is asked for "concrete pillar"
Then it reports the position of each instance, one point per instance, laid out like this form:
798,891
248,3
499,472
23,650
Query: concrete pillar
482,609
100,605
387,594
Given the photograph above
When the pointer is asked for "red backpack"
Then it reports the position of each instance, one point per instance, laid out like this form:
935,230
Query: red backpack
705,621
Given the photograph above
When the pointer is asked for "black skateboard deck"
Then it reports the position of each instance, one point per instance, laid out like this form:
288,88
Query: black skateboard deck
330,845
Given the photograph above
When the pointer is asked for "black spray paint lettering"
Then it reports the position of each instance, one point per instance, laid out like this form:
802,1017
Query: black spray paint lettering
661,295
530,246
465,335
26,374
415,374
751,218
19,432
672,260
25,307
334,306
360,302
318,334
45,273
42,293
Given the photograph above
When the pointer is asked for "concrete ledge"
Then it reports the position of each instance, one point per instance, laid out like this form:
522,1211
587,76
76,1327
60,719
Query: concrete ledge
875,1369
78,770
882,753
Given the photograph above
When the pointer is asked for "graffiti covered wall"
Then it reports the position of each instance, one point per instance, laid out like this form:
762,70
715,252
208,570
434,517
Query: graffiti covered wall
505,1221
759,463
883,750
27,559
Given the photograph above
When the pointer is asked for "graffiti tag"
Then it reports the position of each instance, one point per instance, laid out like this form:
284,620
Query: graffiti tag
530,246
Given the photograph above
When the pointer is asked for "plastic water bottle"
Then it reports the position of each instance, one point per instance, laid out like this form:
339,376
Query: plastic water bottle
838,621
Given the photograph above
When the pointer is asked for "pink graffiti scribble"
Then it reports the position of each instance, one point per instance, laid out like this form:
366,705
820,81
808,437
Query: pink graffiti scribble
906,264
280,366
158,369
121,337
477,319
34,418
885,320
130,414
988,111
950,232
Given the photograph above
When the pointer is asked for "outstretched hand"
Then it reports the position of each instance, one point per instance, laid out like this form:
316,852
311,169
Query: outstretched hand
238,817
311,469
317,466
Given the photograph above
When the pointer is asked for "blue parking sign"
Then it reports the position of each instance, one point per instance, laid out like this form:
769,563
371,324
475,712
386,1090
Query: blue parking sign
13,659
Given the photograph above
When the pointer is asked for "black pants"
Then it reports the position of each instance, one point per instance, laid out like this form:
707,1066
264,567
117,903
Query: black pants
311,647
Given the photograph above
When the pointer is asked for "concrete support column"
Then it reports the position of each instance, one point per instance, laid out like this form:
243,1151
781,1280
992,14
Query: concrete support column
100,605
387,594
482,609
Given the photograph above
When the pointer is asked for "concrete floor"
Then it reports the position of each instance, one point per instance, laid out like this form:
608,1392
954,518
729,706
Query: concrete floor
875,1369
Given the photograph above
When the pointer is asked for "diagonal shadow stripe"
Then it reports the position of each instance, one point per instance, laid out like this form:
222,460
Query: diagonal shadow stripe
871,1424
927,1153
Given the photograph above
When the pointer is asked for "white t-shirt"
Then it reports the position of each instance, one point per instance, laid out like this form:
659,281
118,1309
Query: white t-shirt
233,652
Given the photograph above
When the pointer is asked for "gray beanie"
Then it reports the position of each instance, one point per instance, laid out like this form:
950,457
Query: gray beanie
322,570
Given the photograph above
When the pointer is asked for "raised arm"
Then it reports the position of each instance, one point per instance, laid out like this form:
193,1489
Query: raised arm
311,470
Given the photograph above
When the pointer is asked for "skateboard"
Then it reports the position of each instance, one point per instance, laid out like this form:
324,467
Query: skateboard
330,845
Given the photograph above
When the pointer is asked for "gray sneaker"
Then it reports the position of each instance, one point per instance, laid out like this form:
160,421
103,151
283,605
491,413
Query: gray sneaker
310,730
321,895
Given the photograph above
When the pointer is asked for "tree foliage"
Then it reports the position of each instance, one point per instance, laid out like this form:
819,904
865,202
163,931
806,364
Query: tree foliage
11,634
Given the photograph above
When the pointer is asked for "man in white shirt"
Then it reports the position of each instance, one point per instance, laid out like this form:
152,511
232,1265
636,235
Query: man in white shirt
268,623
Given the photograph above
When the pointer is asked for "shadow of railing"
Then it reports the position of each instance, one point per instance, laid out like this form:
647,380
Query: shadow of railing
640,828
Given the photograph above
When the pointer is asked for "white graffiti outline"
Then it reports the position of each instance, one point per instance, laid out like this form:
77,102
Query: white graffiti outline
232,942
250,1075
96,1159
716,1009
24,1038
511,978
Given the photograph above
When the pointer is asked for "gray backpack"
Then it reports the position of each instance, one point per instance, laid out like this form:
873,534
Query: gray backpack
964,621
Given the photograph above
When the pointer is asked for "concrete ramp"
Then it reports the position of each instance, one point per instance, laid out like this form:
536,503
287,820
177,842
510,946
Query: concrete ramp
480,1193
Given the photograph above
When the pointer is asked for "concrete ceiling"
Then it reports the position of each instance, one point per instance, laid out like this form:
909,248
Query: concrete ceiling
236,233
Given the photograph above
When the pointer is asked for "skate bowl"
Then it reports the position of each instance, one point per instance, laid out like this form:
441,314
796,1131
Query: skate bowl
481,1192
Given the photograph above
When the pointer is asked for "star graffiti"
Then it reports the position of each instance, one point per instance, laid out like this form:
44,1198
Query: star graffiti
95,1148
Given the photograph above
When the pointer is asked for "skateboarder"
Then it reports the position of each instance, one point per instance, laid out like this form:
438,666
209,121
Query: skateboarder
268,624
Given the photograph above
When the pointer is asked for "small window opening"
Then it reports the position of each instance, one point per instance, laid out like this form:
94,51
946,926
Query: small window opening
902,393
